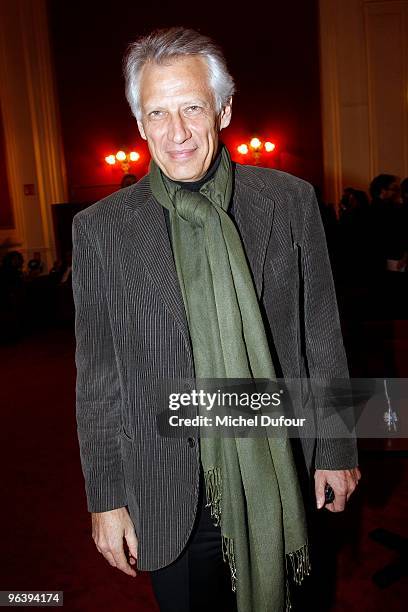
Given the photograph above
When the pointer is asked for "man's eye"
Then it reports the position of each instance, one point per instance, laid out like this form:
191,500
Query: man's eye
156,114
193,110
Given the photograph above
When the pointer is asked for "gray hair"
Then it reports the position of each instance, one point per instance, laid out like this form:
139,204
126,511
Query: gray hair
160,46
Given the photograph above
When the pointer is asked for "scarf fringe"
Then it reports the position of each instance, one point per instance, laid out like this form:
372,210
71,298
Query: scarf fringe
299,568
228,554
212,479
300,563
288,605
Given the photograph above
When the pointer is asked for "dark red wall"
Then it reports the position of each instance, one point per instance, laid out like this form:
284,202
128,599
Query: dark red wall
272,49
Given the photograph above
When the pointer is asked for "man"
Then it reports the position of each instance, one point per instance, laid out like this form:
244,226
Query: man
200,270
388,230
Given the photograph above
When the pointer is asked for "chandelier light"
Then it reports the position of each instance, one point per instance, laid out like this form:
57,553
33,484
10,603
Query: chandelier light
124,159
255,148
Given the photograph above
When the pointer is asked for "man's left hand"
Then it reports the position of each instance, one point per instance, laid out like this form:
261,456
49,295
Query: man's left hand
343,483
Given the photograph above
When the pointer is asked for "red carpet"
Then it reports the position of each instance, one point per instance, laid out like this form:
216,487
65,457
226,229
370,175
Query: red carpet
46,531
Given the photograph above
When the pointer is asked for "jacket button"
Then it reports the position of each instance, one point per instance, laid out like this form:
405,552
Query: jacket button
191,442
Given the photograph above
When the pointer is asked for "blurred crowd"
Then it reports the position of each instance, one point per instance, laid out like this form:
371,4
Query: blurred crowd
372,232
31,298
368,246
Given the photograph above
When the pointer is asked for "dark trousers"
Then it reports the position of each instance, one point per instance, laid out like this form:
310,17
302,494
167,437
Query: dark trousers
199,579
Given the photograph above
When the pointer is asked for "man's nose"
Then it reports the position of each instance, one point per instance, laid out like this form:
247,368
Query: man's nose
178,131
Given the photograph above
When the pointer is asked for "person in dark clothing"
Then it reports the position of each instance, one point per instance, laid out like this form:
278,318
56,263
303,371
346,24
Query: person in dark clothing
404,192
389,250
353,245
404,196
127,180
387,230
12,296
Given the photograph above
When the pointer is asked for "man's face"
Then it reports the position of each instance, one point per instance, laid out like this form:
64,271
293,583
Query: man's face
393,192
179,118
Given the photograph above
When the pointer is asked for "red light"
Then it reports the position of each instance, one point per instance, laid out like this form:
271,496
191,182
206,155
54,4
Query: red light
255,144
269,147
243,149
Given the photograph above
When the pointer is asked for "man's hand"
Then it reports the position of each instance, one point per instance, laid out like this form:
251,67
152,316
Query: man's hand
108,530
343,483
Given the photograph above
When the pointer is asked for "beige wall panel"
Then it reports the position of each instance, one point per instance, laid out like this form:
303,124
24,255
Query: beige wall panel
386,47
364,72
351,52
355,154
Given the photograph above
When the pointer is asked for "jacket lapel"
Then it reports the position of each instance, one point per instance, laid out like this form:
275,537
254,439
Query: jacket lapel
149,238
254,213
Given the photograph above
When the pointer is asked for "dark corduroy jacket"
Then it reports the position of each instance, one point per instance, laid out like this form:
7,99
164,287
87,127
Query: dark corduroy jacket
131,334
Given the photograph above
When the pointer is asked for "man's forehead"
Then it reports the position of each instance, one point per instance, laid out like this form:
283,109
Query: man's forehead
188,67
185,77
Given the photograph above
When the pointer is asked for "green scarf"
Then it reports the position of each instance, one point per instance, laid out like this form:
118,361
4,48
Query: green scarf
251,483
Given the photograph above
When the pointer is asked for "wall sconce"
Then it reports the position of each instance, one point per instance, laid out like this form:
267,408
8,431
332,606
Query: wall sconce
124,159
255,147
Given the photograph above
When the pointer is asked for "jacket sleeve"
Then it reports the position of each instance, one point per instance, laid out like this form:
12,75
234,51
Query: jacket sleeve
98,398
336,446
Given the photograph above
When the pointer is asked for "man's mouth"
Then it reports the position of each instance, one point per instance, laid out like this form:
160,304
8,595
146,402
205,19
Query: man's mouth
182,154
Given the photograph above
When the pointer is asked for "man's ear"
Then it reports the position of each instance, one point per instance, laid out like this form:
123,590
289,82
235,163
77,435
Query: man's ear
225,116
141,130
